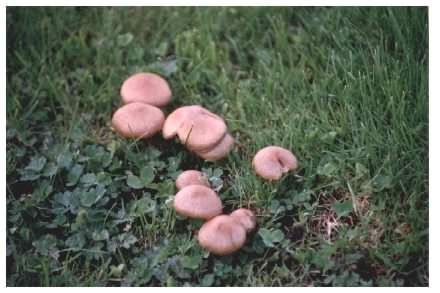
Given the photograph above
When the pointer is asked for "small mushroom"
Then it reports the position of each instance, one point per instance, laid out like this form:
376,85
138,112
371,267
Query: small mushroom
191,177
148,88
246,218
138,120
222,235
197,201
272,161
220,150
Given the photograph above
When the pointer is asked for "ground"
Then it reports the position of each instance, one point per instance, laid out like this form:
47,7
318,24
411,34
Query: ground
345,89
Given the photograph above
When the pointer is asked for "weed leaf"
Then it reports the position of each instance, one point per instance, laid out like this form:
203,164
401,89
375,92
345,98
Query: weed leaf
147,175
74,175
92,196
36,164
134,182
344,208
271,237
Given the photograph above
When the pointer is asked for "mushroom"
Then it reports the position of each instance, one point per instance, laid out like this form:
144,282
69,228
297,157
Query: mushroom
197,201
222,235
246,218
138,120
191,177
196,127
272,161
148,88
202,132
220,150
176,119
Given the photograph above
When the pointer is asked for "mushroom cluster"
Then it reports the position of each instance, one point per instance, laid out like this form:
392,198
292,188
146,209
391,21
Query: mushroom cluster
195,199
200,130
226,234
140,117
205,134
221,234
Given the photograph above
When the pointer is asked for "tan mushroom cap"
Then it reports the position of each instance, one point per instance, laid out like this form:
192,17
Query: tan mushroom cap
197,201
148,88
246,218
138,120
202,132
220,150
222,235
272,161
191,177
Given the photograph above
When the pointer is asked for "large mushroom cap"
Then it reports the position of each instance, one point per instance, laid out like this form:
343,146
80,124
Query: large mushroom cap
138,120
146,88
196,127
222,235
176,118
201,132
246,218
191,177
197,201
272,161
220,150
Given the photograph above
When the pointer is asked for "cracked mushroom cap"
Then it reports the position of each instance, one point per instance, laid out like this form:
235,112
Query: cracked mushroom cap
191,177
222,235
198,202
137,120
148,88
272,161
220,150
246,218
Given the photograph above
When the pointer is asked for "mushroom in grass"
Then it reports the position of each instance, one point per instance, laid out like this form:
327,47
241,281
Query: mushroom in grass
176,119
202,132
195,126
272,161
222,235
148,88
246,218
198,202
138,120
220,150
191,177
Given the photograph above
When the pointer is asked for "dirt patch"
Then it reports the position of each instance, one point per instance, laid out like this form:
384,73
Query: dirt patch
296,232
325,221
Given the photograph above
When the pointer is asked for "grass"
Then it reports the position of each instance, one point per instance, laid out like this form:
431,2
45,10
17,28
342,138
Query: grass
346,89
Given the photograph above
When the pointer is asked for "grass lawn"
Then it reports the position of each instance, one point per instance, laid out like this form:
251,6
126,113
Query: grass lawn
346,89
